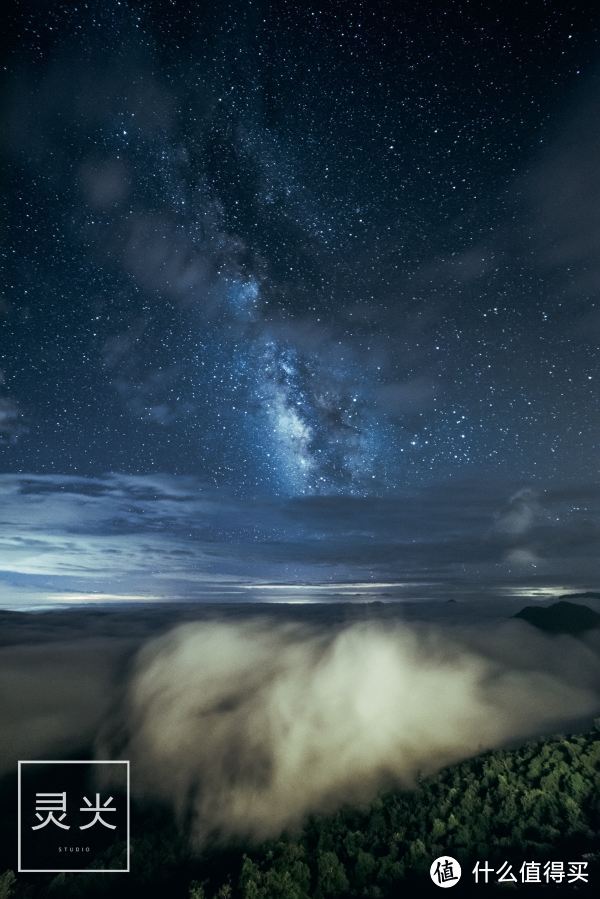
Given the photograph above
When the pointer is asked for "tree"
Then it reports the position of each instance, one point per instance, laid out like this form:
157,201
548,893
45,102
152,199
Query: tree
7,884
332,879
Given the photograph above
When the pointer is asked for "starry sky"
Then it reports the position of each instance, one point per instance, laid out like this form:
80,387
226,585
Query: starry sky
299,294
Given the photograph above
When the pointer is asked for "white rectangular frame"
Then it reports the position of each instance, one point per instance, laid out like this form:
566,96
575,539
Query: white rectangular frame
72,870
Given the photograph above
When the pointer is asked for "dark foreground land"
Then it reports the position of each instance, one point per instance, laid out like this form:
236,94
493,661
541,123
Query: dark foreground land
534,803
540,802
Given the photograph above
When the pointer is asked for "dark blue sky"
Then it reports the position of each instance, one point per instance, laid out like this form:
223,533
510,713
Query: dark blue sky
272,253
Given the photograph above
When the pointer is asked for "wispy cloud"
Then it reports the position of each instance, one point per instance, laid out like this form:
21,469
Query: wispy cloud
163,536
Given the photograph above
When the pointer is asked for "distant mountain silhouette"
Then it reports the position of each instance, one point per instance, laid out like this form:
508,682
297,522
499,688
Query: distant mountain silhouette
561,617
589,594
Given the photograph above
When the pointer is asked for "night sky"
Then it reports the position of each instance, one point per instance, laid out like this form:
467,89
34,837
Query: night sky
299,293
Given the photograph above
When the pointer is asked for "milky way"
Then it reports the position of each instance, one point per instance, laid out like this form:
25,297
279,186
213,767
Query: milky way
296,250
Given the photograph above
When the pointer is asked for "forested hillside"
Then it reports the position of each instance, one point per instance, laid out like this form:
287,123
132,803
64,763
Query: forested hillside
539,802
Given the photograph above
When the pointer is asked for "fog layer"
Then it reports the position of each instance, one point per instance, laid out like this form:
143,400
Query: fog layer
248,726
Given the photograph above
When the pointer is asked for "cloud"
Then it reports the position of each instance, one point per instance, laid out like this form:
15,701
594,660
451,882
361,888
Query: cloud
246,727
177,537
246,722
522,510
144,210
522,557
